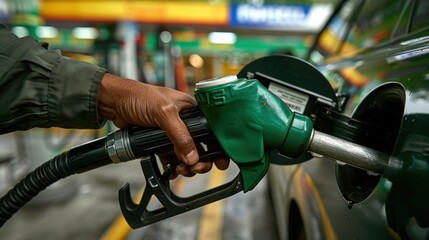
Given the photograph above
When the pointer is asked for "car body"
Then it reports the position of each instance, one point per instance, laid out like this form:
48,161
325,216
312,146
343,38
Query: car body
375,55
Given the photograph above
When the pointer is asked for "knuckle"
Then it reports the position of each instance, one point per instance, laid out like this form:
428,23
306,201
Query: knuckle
168,109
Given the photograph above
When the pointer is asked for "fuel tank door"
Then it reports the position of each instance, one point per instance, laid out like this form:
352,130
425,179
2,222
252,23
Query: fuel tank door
375,123
298,83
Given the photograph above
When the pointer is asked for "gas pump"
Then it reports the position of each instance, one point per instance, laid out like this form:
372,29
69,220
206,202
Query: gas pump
249,116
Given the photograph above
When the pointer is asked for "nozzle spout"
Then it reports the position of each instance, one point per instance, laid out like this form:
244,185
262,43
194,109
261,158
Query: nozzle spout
347,152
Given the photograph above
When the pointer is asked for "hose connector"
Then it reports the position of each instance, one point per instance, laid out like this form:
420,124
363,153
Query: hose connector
118,146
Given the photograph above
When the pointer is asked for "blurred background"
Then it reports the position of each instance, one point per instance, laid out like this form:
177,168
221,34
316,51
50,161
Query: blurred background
168,43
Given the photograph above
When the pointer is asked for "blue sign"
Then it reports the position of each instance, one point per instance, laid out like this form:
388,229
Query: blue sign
278,16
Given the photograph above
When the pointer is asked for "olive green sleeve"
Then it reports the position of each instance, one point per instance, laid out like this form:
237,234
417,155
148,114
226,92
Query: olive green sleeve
41,88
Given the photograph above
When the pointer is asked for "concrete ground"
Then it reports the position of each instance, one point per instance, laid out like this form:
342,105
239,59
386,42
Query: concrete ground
85,206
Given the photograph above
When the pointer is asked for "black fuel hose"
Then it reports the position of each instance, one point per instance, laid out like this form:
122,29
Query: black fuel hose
120,146
43,176
80,159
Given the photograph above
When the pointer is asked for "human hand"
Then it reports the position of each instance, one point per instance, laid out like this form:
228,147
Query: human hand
127,102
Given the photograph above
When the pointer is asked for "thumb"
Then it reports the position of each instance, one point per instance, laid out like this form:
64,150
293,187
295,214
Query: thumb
184,146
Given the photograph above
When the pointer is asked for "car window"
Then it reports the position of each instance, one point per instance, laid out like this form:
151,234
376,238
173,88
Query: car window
420,18
374,25
333,35
403,26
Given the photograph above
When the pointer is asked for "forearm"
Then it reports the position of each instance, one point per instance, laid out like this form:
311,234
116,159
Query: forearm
41,88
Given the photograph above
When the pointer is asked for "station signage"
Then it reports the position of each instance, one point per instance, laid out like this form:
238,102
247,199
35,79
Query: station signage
143,11
287,16
294,17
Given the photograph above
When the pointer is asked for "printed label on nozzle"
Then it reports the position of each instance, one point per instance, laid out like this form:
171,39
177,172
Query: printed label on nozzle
295,100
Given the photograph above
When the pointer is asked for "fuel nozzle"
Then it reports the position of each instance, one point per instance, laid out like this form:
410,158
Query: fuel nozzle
247,120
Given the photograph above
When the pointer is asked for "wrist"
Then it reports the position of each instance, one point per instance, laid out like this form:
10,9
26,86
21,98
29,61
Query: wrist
106,98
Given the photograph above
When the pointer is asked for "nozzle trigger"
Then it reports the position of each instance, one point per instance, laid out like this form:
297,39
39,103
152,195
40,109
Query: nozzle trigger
138,215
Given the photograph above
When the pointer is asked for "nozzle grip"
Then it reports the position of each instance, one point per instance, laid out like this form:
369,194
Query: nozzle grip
154,141
135,142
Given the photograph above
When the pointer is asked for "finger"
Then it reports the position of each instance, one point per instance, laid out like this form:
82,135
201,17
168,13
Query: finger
201,167
184,170
178,133
222,163
185,102
184,145
173,176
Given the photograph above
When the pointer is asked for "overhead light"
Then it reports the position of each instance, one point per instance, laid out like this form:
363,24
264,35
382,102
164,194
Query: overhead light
196,61
47,32
222,37
85,33
166,37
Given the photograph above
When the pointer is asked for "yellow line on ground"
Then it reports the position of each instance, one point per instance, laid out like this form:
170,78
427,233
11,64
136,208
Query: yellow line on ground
120,229
211,221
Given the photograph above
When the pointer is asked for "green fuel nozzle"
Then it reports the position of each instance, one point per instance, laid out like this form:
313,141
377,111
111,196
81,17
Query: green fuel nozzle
248,120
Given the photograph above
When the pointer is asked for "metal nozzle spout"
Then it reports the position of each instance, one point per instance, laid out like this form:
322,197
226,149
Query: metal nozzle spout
344,151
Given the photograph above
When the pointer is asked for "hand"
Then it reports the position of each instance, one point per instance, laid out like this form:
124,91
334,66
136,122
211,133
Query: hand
127,102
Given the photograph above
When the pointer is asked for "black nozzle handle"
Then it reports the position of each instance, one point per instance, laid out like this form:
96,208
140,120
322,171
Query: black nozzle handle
135,142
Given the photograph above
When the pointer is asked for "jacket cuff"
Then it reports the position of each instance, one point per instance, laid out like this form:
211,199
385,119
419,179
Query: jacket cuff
73,94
